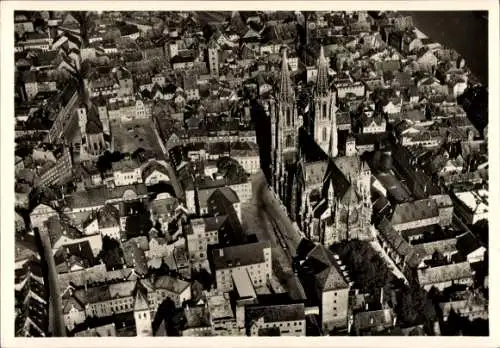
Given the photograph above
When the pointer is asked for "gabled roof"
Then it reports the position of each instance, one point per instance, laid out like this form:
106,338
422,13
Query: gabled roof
141,302
411,255
275,313
337,180
153,166
440,274
468,243
414,211
197,317
29,268
72,302
58,228
135,257
100,195
443,246
321,263
239,255
171,284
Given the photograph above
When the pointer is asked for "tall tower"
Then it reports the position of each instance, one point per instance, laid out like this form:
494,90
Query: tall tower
142,315
325,124
103,116
213,58
82,119
286,128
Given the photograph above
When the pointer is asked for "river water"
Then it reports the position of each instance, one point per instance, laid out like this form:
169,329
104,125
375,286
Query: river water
465,31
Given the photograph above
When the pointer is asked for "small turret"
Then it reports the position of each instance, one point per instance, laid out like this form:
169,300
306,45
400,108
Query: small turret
350,146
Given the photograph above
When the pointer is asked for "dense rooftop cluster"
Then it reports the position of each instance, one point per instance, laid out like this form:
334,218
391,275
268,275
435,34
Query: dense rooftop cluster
140,138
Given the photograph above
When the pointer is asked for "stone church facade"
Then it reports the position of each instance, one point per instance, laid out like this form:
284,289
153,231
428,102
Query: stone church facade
326,194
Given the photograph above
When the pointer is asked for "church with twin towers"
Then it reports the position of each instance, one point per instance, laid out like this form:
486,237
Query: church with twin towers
327,195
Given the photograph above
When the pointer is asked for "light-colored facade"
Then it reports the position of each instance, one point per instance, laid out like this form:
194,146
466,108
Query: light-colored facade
334,308
254,258
288,319
123,176
200,238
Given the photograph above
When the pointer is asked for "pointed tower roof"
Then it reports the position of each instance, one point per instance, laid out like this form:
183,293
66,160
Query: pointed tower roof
286,90
140,303
322,80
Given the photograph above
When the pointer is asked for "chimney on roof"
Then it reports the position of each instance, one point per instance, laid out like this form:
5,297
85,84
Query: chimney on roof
221,252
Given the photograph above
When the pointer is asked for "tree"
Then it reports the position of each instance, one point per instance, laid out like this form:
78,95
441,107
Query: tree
104,162
368,270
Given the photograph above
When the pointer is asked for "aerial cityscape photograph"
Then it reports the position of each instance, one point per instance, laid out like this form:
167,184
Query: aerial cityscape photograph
251,173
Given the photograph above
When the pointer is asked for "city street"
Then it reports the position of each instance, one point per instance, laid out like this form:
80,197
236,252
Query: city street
277,213
257,220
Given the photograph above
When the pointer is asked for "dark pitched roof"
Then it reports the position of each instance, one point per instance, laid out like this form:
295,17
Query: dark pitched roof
411,255
171,284
100,195
58,228
76,254
31,267
275,313
239,255
468,243
321,263
197,317
414,211
335,177
25,246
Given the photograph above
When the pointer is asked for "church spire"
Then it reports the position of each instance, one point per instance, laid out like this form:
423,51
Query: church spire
322,80
286,90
